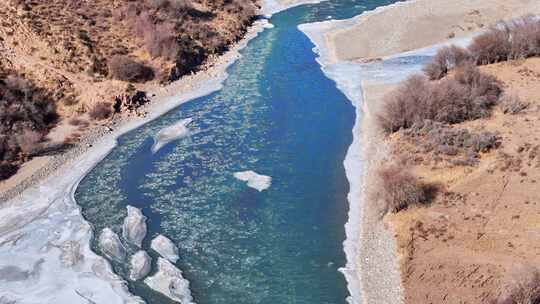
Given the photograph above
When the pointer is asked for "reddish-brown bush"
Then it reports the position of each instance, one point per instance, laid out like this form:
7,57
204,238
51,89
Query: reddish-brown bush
399,188
127,69
100,111
515,39
447,58
468,95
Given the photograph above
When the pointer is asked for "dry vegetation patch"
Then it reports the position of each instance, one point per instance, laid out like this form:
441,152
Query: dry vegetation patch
477,241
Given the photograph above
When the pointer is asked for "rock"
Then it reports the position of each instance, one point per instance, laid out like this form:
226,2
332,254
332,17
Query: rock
110,245
170,282
134,228
140,265
165,248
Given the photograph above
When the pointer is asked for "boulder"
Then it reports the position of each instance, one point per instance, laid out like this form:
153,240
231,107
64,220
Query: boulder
134,228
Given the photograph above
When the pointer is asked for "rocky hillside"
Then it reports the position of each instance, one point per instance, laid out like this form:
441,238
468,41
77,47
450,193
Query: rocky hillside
69,59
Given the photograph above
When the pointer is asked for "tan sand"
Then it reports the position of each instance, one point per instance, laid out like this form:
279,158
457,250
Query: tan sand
420,23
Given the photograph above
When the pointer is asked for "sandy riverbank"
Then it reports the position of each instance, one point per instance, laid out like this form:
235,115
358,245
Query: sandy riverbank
44,241
414,24
372,269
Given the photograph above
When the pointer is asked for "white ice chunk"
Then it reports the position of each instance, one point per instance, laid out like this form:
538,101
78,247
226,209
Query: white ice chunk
165,248
254,180
110,244
134,228
140,265
170,133
170,282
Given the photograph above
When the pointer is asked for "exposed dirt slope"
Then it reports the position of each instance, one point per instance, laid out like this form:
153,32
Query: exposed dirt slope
478,241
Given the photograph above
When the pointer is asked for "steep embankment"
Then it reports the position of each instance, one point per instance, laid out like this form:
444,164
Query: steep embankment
86,75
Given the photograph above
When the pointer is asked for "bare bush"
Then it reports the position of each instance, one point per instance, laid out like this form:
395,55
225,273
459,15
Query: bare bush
27,113
516,39
512,104
127,69
492,46
100,111
520,286
466,96
399,188
446,59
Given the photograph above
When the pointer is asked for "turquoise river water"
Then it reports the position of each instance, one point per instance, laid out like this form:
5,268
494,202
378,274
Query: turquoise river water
278,115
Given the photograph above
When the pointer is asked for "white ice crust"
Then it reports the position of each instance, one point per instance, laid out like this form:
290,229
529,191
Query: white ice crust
110,245
165,248
134,228
254,180
171,133
140,265
170,282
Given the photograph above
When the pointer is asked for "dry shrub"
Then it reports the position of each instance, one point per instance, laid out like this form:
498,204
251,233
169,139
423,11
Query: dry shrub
446,59
127,69
515,39
399,188
468,95
512,104
100,111
27,113
435,136
521,286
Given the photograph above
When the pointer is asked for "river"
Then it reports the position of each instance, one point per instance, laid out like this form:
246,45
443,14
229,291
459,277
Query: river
278,115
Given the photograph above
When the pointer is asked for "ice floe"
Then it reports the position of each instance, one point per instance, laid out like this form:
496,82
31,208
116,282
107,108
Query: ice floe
170,133
165,248
169,281
140,265
254,180
134,228
110,244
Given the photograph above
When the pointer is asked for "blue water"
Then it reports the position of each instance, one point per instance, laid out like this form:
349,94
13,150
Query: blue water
277,115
